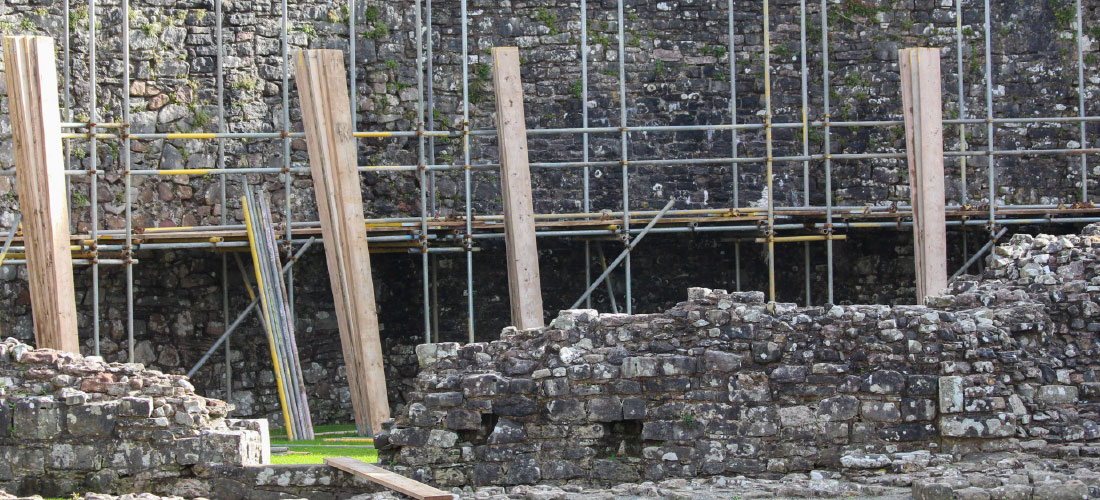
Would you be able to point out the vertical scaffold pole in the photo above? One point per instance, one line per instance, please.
(624, 139)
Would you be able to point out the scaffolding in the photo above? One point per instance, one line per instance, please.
(429, 233)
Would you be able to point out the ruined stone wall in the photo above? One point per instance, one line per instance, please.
(677, 73)
(726, 384)
(74, 424)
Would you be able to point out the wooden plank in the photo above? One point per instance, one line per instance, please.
(524, 284)
(921, 97)
(322, 90)
(391, 480)
(31, 73)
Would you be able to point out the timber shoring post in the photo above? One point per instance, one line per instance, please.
(31, 74)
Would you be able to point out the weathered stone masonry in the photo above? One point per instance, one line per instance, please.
(70, 424)
(726, 384)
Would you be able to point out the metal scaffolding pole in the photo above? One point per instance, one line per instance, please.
(466, 171)
(1081, 101)
(624, 145)
(770, 232)
(805, 138)
(989, 131)
(827, 147)
(224, 216)
(733, 106)
(127, 254)
(422, 170)
(584, 152)
(94, 176)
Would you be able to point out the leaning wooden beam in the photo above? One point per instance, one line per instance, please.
(524, 284)
(322, 91)
(391, 480)
(31, 74)
(921, 105)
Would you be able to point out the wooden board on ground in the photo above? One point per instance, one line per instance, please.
(921, 106)
(391, 480)
(31, 72)
(322, 89)
(524, 283)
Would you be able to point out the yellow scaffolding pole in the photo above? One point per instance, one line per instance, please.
(267, 323)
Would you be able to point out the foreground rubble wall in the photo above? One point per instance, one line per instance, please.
(73, 424)
(727, 384)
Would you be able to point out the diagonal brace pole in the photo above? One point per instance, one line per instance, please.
(11, 236)
(244, 314)
(622, 256)
(977, 255)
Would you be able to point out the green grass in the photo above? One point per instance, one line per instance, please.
(278, 436)
(317, 454)
(319, 450)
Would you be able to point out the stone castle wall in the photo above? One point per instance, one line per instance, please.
(726, 384)
(73, 424)
(677, 73)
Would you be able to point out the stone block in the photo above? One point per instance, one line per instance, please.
(636, 367)
(463, 420)
(36, 418)
(951, 394)
(507, 431)
(1056, 394)
(1002, 425)
(514, 406)
(1057, 490)
(561, 470)
(677, 365)
(408, 436)
(230, 447)
(865, 461)
(884, 382)
(605, 409)
(837, 408)
(928, 489)
(765, 352)
(921, 385)
(917, 410)
(486, 474)
(615, 471)
(749, 387)
(796, 416)
(5, 419)
(136, 407)
(634, 408)
(430, 354)
(718, 361)
(789, 374)
(553, 387)
(565, 410)
(441, 438)
(880, 411)
(92, 420)
(443, 399)
(479, 385)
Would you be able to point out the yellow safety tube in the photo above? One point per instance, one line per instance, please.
(267, 323)
(191, 135)
(789, 239)
(185, 171)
